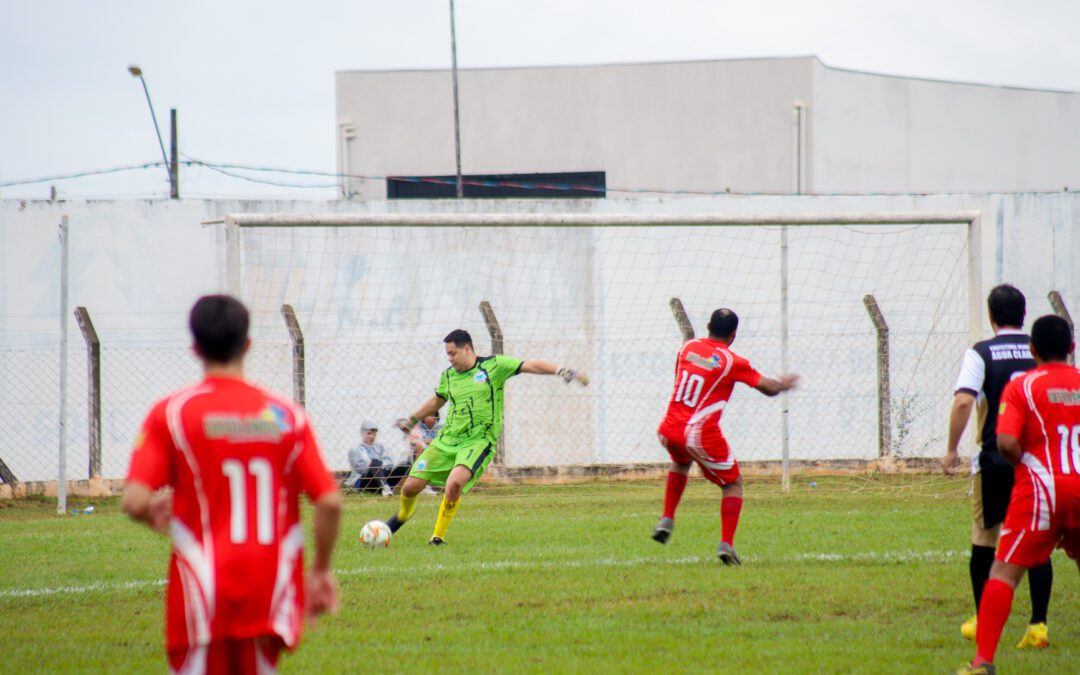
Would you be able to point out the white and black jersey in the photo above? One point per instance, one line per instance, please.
(988, 367)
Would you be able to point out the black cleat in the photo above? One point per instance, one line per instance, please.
(727, 554)
(436, 541)
(663, 530)
(394, 523)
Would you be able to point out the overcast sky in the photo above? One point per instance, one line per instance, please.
(254, 81)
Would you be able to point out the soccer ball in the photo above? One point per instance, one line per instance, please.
(375, 534)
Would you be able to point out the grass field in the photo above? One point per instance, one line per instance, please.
(853, 575)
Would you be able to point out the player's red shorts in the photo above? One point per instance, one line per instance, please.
(256, 656)
(715, 460)
(1021, 543)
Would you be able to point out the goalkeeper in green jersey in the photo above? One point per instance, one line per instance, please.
(458, 456)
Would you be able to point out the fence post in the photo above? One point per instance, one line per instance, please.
(496, 334)
(884, 395)
(61, 473)
(93, 381)
(6, 475)
(1061, 310)
(685, 327)
(297, 337)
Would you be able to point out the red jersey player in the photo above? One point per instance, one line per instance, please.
(705, 375)
(1038, 430)
(236, 459)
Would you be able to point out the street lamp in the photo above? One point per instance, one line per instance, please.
(170, 167)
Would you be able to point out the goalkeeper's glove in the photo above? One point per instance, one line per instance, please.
(569, 375)
(406, 425)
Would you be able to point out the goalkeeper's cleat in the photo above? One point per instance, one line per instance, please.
(967, 629)
(727, 554)
(663, 529)
(1037, 636)
(984, 668)
(395, 523)
(436, 541)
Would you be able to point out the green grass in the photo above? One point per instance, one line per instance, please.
(853, 575)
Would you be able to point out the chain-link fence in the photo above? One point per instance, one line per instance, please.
(371, 306)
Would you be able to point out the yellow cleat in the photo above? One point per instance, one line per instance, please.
(981, 669)
(967, 629)
(1036, 637)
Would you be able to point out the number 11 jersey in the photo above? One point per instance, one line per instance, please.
(237, 459)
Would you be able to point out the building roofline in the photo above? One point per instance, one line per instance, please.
(634, 64)
(935, 80)
(565, 66)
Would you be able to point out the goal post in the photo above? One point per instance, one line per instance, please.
(379, 291)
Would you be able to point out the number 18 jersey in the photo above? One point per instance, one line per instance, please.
(705, 375)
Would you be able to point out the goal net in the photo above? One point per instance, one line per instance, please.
(374, 296)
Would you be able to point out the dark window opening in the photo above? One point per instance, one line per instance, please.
(564, 185)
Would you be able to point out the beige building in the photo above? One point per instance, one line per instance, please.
(748, 125)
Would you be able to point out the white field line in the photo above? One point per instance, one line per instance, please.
(871, 556)
(100, 587)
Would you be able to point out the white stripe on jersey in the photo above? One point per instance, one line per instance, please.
(192, 569)
(194, 662)
(702, 458)
(1042, 478)
(200, 561)
(1019, 538)
(262, 666)
(705, 412)
(283, 601)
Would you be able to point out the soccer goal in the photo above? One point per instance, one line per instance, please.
(872, 309)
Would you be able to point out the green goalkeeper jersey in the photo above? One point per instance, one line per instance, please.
(476, 400)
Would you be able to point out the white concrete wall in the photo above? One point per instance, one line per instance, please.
(375, 308)
(713, 126)
(871, 133)
(693, 126)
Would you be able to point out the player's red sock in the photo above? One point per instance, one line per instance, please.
(676, 483)
(994, 611)
(730, 508)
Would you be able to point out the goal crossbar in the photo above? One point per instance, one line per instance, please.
(592, 219)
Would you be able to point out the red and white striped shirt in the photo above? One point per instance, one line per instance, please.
(1042, 410)
(705, 375)
(237, 458)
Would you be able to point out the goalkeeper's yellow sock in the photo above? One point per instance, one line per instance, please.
(447, 511)
(408, 507)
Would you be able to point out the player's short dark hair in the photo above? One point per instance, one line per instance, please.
(1051, 337)
(723, 323)
(219, 324)
(1007, 305)
(459, 337)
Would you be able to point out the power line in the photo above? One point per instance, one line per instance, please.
(81, 174)
(229, 169)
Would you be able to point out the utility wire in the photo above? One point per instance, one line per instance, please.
(81, 174)
(230, 170)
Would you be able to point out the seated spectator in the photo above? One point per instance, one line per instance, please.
(373, 468)
(423, 433)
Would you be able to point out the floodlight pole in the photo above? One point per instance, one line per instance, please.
(457, 115)
(170, 168)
